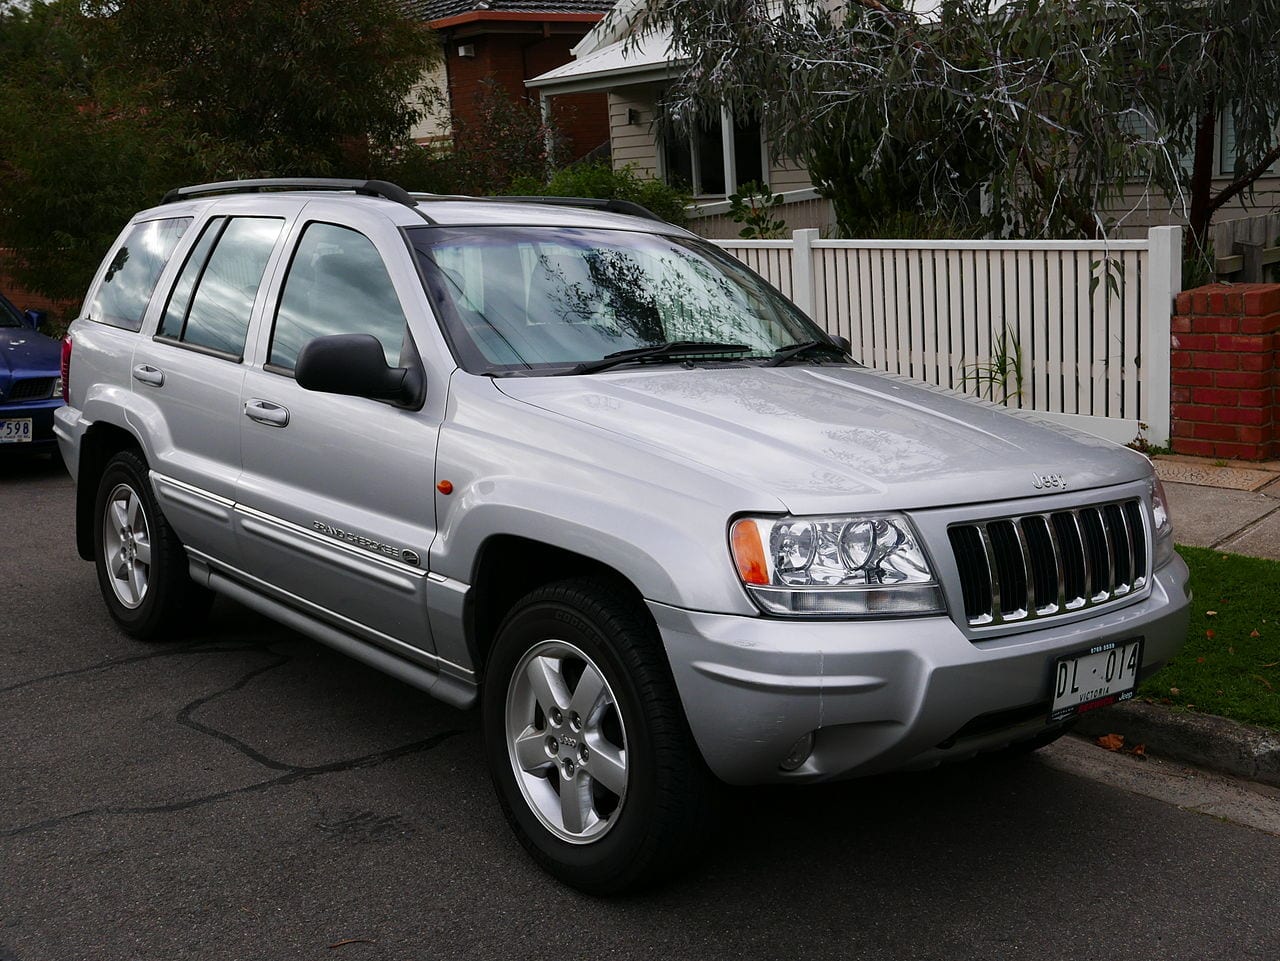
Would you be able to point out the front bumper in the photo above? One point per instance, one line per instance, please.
(884, 695)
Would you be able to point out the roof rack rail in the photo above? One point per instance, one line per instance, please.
(613, 206)
(369, 188)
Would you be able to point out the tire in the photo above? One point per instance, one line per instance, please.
(141, 564)
(643, 793)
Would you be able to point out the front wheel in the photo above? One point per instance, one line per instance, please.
(587, 742)
(141, 564)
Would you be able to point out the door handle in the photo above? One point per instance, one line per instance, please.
(146, 374)
(265, 412)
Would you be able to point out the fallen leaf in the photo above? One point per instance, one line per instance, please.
(1166, 700)
(1254, 633)
(1174, 691)
(1139, 750)
(1210, 613)
(1272, 664)
(1199, 660)
(1209, 633)
(1265, 682)
(1231, 650)
(1111, 742)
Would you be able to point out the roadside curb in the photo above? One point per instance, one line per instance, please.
(1204, 740)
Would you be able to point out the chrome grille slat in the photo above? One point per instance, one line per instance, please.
(993, 575)
(1107, 536)
(1059, 563)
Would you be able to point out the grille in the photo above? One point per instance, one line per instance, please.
(30, 388)
(1039, 565)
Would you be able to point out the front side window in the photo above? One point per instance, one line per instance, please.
(212, 300)
(337, 284)
(543, 299)
(122, 297)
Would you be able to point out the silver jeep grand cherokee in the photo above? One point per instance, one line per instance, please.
(582, 468)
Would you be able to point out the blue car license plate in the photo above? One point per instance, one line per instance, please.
(15, 430)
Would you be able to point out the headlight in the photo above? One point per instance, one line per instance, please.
(870, 564)
(1162, 526)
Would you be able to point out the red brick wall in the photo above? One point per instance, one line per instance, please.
(1226, 387)
(512, 58)
(24, 299)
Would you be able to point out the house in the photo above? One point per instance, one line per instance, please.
(728, 152)
(507, 42)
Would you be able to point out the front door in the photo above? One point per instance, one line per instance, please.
(335, 510)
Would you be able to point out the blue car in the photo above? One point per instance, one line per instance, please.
(30, 381)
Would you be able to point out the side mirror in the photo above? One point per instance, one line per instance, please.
(35, 318)
(842, 342)
(354, 364)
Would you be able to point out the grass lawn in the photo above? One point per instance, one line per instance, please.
(1230, 665)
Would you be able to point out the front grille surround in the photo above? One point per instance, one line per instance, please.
(1033, 565)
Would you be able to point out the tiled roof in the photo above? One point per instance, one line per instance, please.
(431, 10)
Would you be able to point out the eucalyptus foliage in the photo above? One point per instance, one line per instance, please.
(1033, 117)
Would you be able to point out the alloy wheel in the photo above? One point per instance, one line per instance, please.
(566, 741)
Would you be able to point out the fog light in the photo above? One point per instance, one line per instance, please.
(799, 753)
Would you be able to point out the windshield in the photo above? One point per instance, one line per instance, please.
(546, 299)
(10, 316)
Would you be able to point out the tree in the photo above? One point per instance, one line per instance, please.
(104, 105)
(1031, 116)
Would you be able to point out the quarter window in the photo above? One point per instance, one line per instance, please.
(122, 297)
(212, 301)
(337, 284)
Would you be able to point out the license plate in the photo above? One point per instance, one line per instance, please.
(1102, 675)
(16, 430)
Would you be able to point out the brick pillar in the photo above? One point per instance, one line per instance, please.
(1225, 384)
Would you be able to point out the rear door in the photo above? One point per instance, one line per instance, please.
(188, 368)
(336, 500)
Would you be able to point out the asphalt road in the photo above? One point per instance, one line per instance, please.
(246, 794)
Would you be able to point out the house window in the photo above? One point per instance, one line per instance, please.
(721, 156)
(1227, 148)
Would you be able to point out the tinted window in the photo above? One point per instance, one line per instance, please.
(337, 284)
(213, 298)
(126, 288)
(175, 313)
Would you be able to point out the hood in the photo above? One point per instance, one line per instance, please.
(835, 438)
(28, 352)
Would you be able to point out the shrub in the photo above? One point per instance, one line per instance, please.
(598, 179)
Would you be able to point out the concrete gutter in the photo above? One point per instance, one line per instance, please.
(1202, 740)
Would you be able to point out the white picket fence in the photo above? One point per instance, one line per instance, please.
(1088, 322)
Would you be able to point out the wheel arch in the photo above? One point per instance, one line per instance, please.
(100, 443)
(508, 567)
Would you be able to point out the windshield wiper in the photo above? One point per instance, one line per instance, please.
(673, 349)
(784, 354)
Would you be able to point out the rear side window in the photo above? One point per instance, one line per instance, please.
(122, 297)
(337, 284)
(213, 297)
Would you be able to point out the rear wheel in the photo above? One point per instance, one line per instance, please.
(587, 741)
(141, 564)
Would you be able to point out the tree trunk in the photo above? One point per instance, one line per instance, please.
(1202, 179)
